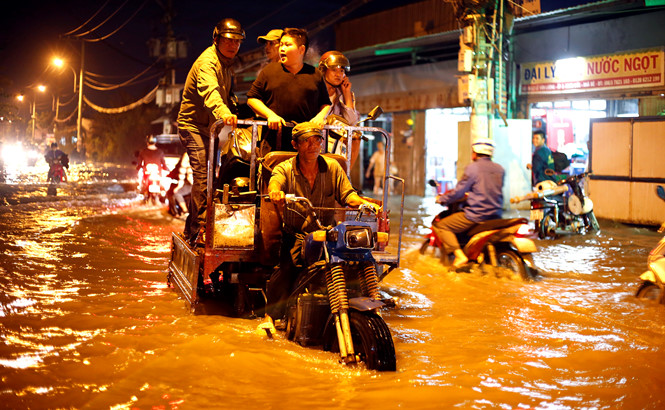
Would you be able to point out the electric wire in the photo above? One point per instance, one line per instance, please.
(98, 85)
(103, 21)
(152, 77)
(146, 99)
(87, 21)
(120, 27)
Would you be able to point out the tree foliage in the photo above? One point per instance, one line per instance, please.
(116, 137)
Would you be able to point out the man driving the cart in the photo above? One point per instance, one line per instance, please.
(320, 179)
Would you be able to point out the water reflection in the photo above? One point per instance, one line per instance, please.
(88, 322)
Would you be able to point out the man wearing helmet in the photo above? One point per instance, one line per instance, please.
(482, 184)
(289, 90)
(320, 179)
(206, 98)
(151, 155)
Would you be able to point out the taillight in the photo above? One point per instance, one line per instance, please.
(523, 231)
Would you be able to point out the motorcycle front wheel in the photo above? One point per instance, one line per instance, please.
(651, 291)
(372, 341)
(547, 227)
(591, 222)
(509, 259)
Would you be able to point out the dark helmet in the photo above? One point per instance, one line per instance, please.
(229, 28)
(305, 130)
(151, 139)
(334, 59)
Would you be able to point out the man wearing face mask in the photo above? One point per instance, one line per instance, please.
(289, 90)
(206, 98)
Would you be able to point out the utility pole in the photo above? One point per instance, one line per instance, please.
(79, 142)
(480, 44)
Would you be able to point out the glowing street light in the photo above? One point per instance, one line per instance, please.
(59, 62)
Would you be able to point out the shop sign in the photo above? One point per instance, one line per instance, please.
(606, 72)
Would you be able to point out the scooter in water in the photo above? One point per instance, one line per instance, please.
(561, 207)
(336, 300)
(497, 242)
(151, 185)
(57, 173)
(653, 279)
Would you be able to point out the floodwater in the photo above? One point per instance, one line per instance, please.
(87, 321)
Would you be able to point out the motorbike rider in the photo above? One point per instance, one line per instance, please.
(206, 98)
(541, 160)
(483, 182)
(334, 67)
(289, 90)
(151, 155)
(53, 156)
(323, 181)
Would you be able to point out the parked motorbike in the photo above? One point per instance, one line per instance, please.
(336, 300)
(497, 242)
(561, 206)
(653, 279)
(152, 186)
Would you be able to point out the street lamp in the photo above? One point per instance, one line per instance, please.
(59, 62)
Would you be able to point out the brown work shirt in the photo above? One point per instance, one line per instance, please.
(331, 188)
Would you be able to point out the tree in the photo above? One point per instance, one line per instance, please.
(116, 137)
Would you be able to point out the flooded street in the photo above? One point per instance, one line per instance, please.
(87, 321)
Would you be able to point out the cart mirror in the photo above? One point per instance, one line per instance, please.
(375, 113)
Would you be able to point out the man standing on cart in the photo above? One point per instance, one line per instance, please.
(289, 90)
(206, 98)
(321, 180)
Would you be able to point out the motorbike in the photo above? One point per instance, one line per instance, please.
(151, 185)
(653, 279)
(431, 240)
(498, 242)
(57, 171)
(335, 304)
(336, 300)
(561, 206)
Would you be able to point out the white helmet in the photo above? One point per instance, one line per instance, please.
(483, 146)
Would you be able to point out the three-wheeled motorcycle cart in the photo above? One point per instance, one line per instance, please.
(231, 270)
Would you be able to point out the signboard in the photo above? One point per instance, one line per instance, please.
(638, 69)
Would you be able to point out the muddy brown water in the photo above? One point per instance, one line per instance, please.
(87, 321)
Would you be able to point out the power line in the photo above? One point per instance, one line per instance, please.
(103, 22)
(120, 27)
(87, 21)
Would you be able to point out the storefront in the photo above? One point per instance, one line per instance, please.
(562, 96)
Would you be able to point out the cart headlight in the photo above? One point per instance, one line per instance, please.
(359, 238)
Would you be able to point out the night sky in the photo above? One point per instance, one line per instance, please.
(35, 31)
